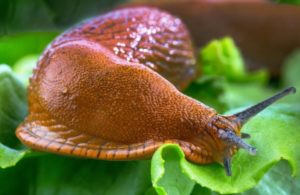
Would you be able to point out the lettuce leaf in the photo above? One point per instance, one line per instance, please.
(276, 134)
(13, 109)
(223, 58)
(24, 67)
(63, 175)
(13, 105)
(60, 175)
(9, 157)
(277, 181)
(167, 175)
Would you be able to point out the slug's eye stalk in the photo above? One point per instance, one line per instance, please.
(244, 116)
(241, 118)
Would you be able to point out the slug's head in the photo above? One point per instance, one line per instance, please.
(227, 129)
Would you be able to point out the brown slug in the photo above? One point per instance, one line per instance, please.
(108, 89)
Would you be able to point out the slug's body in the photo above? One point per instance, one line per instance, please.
(104, 90)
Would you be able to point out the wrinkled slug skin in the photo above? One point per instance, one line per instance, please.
(88, 88)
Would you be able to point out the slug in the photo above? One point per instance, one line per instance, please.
(110, 89)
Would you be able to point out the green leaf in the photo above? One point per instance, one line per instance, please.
(24, 67)
(13, 105)
(12, 48)
(238, 95)
(18, 179)
(209, 89)
(276, 134)
(9, 157)
(167, 175)
(277, 181)
(223, 58)
(60, 175)
(13, 109)
(223, 95)
(83, 176)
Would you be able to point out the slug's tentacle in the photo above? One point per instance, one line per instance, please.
(228, 127)
(244, 116)
(231, 138)
(227, 165)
